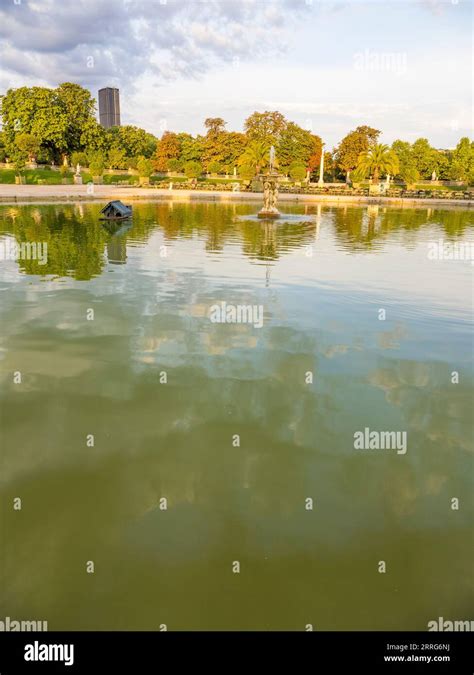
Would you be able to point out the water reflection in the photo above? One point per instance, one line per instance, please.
(79, 245)
(173, 439)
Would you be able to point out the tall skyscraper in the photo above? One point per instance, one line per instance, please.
(109, 107)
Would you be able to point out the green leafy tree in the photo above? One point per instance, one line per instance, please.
(62, 119)
(79, 158)
(193, 169)
(426, 158)
(175, 165)
(376, 161)
(214, 141)
(36, 111)
(297, 145)
(144, 167)
(28, 145)
(443, 161)
(256, 155)
(297, 171)
(214, 125)
(95, 138)
(462, 160)
(266, 127)
(78, 107)
(330, 167)
(407, 170)
(246, 171)
(190, 149)
(232, 146)
(3, 150)
(116, 159)
(409, 174)
(19, 159)
(349, 149)
(97, 165)
(214, 167)
(134, 141)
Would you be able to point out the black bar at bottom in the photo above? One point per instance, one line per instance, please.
(150, 652)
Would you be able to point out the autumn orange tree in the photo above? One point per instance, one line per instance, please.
(349, 149)
(168, 148)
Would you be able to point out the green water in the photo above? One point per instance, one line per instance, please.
(322, 284)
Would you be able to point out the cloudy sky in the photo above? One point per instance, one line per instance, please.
(403, 66)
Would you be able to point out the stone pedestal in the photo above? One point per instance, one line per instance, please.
(269, 213)
(77, 179)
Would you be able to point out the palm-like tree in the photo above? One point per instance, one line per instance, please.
(377, 160)
(256, 155)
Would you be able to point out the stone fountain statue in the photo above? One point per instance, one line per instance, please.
(270, 190)
(77, 175)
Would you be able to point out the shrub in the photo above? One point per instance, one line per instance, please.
(175, 165)
(78, 158)
(144, 167)
(96, 167)
(246, 172)
(27, 144)
(19, 160)
(116, 159)
(214, 167)
(409, 175)
(297, 171)
(193, 169)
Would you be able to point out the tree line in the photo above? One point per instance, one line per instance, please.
(59, 126)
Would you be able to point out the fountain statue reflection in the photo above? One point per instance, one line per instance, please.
(270, 189)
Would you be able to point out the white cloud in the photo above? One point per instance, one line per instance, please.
(132, 37)
(180, 62)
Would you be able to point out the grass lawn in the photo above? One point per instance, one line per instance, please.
(51, 177)
(32, 175)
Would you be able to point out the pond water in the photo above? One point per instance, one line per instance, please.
(165, 447)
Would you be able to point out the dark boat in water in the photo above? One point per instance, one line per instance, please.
(116, 210)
